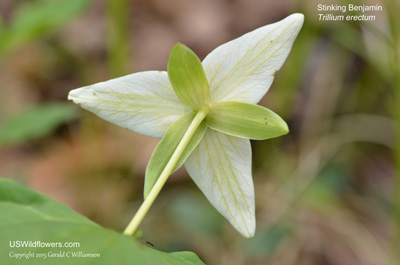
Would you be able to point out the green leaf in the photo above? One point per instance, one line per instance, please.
(189, 257)
(245, 120)
(187, 77)
(167, 146)
(37, 18)
(28, 216)
(36, 122)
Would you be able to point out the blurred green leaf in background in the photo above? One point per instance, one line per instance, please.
(34, 19)
(36, 122)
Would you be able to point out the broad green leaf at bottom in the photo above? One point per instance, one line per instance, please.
(27, 216)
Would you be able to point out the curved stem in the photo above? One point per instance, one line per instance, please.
(144, 208)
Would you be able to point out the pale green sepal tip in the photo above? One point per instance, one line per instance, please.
(187, 77)
(167, 146)
(245, 120)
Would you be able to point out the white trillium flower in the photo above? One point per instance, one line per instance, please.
(224, 89)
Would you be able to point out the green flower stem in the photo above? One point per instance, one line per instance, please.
(144, 208)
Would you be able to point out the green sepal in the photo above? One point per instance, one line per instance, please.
(187, 77)
(167, 146)
(245, 120)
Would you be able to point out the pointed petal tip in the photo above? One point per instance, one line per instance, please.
(242, 78)
(74, 94)
(250, 228)
(249, 234)
(298, 17)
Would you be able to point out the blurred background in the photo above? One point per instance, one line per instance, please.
(326, 194)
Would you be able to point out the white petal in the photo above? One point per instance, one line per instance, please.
(221, 168)
(143, 102)
(243, 69)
